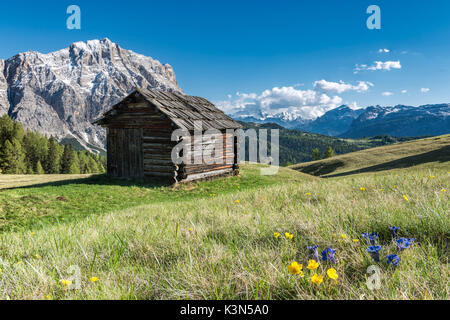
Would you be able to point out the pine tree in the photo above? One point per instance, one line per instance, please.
(39, 169)
(13, 158)
(328, 153)
(315, 154)
(53, 158)
(75, 166)
(68, 160)
(83, 158)
(18, 132)
(30, 169)
(6, 129)
(101, 168)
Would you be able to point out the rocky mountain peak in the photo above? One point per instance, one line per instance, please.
(60, 93)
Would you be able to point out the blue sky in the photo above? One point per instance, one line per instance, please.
(219, 48)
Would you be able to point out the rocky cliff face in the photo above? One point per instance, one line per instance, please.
(61, 93)
(4, 105)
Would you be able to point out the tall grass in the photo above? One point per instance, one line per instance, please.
(214, 247)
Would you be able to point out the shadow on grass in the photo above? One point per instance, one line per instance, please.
(439, 155)
(321, 168)
(102, 179)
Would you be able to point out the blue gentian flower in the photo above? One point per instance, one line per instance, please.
(404, 243)
(375, 252)
(393, 259)
(394, 231)
(313, 251)
(371, 238)
(328, 254)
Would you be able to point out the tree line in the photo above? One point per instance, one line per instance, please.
(27, 152)
(327, 154)
(297, 146)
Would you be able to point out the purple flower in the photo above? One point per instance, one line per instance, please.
(394, 231)
(393, 259)
(313, 251)
(328, 254)
(404, 243)
(375, 252)
(371, 238)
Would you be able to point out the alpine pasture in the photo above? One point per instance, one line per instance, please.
(230, 238)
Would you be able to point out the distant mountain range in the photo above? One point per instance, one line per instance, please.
(398, 121)
(296, 146)
(401, 121)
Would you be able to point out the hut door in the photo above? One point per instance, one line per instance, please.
(128, 153)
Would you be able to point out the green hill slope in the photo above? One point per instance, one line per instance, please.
(297, 146)
(215, 239)
(401, 155)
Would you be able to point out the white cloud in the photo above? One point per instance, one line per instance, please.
(387, 93)
(307, 104)
(404, 91)
(341, 86)
(379, 65)
(424, 90)
(354, 105)
(384, 51)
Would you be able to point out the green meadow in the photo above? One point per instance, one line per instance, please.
(90, 237)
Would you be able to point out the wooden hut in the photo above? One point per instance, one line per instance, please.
(139, 137)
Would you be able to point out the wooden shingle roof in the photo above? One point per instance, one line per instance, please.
(184, 111)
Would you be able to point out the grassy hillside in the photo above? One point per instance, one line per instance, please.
(215, 240)
(402, 155)
(297, 146)
(37, 200)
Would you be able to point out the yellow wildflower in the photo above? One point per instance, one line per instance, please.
(406, 198)
(276, 234)
(317, 279)
(432, 177)
(94, 279)
(312, 265)
(443, 190)
(332, 274)
(295, 268)
(381, 189)
(288, 235)
(395, 186)
(355, 240)
(65, 282)
(362, 189)
(38, 256)
(344, 236)
(237, 201)
(48, 297)
(308, 194)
